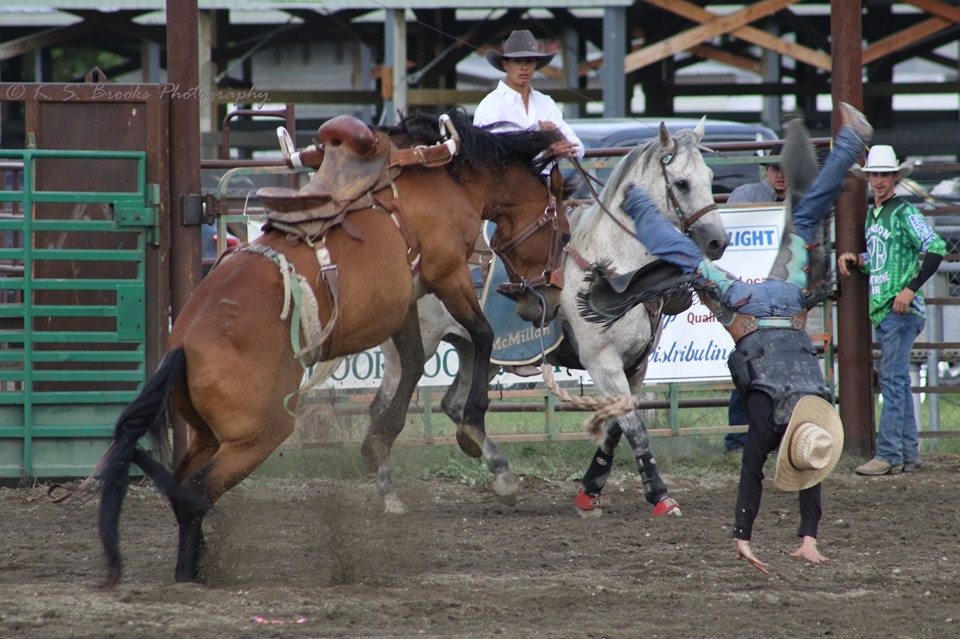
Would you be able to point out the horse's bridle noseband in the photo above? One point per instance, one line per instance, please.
(685, 221)
(553, 273)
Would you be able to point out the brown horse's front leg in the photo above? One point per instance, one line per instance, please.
(461, 302)
(471, 432)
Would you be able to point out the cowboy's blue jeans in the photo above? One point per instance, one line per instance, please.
(777, 298)
(897, 438)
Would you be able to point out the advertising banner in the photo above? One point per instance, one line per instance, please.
(693, 346)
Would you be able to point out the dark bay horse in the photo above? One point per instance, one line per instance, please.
(237, 350)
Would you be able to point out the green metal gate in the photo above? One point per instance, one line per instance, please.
(72, 309)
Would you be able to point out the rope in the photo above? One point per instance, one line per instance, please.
(604, 407)
(284, 266)
(310, 318)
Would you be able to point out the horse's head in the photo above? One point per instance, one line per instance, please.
(502, 171)
(533, 228)
(688, 189)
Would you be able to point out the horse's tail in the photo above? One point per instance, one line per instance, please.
(145, 414)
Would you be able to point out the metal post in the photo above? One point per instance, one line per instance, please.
(207, 37)
(150, 56)
(674, 389)
(614, 67)
(771, 114)
(365, 79)
(853, 327)
(428, 414)
(395, 47)
(935, 287)
(916, 398)
(183, 72)
(571, 70)
(550, 422)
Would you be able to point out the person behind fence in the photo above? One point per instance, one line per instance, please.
(774, 364)
(773, 188)
(516, 102)
(897, 234)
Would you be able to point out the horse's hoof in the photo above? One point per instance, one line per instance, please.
(393, 506)
(589, 506)
(467, 442)
(668, 506)
(505, 487)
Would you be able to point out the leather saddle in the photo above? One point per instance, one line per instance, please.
(355, 165)
(609, 296)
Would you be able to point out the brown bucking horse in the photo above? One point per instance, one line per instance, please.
(391, 214)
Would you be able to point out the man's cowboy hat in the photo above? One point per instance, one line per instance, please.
(520, 44)
(882, 159)
(811, 446)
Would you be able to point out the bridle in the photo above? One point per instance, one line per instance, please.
(552, 274)
(686, 221)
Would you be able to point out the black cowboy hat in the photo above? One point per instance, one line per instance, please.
(520, 44)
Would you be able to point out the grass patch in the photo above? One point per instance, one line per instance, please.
(549, 461)
(692, 455)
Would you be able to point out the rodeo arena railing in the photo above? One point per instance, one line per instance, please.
(675, 400)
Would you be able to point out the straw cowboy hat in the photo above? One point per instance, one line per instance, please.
(882, 159)
(520, 44)
(811, 446)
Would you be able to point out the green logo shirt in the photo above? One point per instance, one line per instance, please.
(897, 233)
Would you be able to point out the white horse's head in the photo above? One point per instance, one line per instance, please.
(673, 172)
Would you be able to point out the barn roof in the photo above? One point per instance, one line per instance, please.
(51, 6)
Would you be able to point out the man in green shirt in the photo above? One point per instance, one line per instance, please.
(897, 234)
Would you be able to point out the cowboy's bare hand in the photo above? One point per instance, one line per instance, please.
(808, 551)
(901, 303)
(744, 552)
(546, 125)
(846, 261)
(563, 149)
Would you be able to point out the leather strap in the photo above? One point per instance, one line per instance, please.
(402, 221)
(431, 157)
(743, 324)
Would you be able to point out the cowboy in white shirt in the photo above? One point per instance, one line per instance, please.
(515, 101)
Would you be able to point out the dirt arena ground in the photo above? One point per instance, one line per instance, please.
(319, 559)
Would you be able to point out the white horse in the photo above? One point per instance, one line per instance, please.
(672, 170)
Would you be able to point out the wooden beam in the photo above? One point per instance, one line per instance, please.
(903, 39)
(698, 35)
(709, 52)
(752, 35)
(42, 40)
(938, 9)
(470, 96)
(475, 39)
(121, 22)
(586, 67)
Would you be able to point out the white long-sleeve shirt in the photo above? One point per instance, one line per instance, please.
(503, 104)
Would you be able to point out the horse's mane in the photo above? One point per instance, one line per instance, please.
(485, 151)
(644, 154)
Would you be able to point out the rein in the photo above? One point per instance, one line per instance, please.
(603, 207)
